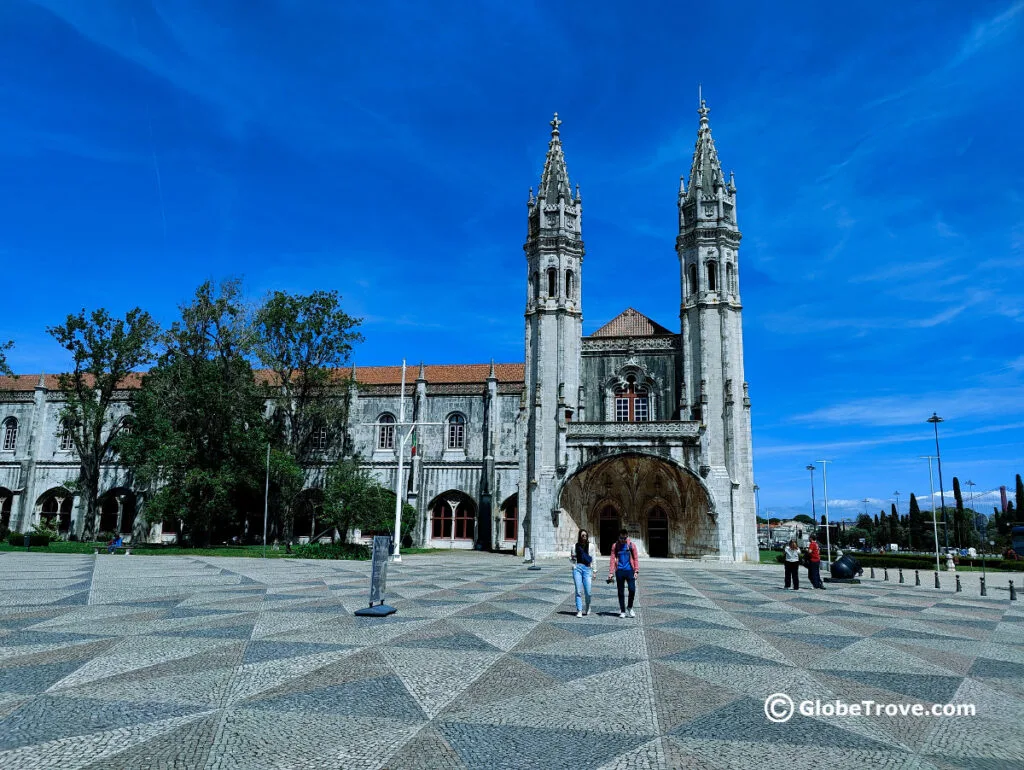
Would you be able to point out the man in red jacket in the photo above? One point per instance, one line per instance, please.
(814, 564)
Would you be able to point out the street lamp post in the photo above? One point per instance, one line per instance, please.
(935, 420)
(935, 523)
(814, 515)
(266, 502)
(974, 513)
(828, 528)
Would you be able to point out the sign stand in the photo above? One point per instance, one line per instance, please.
(378, 579)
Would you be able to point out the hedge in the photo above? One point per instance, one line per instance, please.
(921, 561)
(331, 551)
(36, 541)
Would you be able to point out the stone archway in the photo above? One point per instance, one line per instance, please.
(665, 508)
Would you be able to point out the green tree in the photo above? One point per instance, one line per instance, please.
(915, 534)
(305, 340)
(959, 515)
(198, 436)
(354, 500)
(6, 370)
(1020, 494)
(803, 518)
(105, 351)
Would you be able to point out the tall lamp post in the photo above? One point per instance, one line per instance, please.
(974, 513)
(814, 515)
(935, 420)
(935, 523)
(266, 502)
(828, 528)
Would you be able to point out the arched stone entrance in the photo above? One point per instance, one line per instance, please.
(452, 520)
(665, 507)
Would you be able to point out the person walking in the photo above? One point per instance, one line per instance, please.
(814, 563)
(624, 567)
(582, 573)
(792, 561)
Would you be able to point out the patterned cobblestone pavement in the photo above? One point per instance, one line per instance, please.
(177, 662)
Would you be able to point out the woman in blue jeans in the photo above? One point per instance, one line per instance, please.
(582, 573)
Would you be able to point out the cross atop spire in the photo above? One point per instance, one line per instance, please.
(555, 123)
(706, 171)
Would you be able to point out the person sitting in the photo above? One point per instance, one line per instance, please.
(114, 544)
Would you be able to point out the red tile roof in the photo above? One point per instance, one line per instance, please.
(630, 323)
(366, 375)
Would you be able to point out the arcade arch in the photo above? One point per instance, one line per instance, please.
(665, 507)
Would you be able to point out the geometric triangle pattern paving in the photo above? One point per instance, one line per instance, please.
(189, 662)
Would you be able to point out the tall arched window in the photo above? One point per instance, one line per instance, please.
(712, 276)
(456, 432)
(10, 434)
(64, 437)
(568, 284)
(552, 282)
(693, 279)
(386, 432)
(632, 402)
(535, 285)
(319, 439)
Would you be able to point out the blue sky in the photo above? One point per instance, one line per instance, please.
(385, 150)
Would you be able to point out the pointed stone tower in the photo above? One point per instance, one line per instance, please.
(712, 340)
(554, 327)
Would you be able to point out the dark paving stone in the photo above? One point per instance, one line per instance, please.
(566, 668)
(925, 687)
(380, 697)
(217, 632)
(998, 669)
(49, 717)
(449, 642)
(827, 641)
(529, 748)
(260, 651)
(745, 720)
(711, 654)
(35, 678)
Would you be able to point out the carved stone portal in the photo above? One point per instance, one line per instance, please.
(664, 507)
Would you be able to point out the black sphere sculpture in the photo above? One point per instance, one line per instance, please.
(846, 568)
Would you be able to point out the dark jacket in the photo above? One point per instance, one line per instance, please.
(583, 555)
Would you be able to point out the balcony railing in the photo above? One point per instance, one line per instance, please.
(668, 430)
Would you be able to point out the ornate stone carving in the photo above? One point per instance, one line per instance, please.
(633, 430)
(667, 344)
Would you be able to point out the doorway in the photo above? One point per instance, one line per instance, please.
(657, 533)
(609, 529)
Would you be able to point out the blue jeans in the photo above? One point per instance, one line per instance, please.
(621, 578)
(583, 577)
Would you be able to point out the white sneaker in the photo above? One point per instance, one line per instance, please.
(579, 614)
(622, 614)
(630, 613)
(586, 612)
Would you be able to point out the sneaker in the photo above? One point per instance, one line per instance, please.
(630, 613)
(586, 612)
(579, 614)
(622, 614)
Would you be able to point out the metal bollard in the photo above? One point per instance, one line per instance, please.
(901, 574)
(872, 572)
(983, 591)
(937, 580)
(958, 588)
(917, 577)
(28, 542)
(1013, 592)
(886, 571)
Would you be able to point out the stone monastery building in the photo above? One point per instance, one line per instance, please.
(634, 426)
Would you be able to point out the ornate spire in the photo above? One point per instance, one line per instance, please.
(423, 373)
(491, 375)
(554, 182)
(706, 171)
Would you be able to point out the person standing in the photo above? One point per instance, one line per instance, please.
(814, 563)
(624, 567)
(582, 573)
(792, 561)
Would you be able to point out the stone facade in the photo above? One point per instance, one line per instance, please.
(634, 426)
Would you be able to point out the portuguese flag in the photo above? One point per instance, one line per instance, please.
(413, 442)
